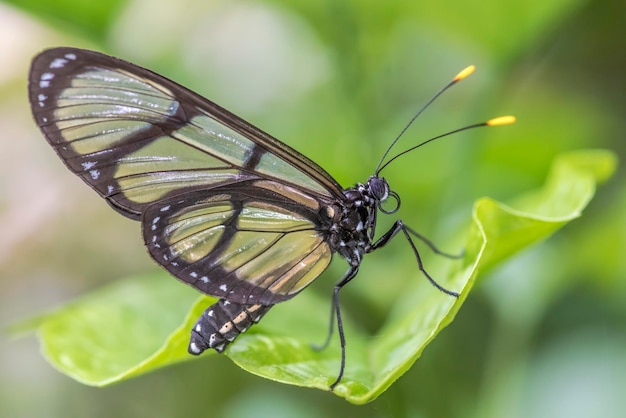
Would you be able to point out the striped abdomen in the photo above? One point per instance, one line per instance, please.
(221, 323)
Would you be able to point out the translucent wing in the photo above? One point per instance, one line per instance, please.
(225, 207)
(256, 242)
(139, 138)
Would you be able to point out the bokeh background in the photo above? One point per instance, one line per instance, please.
(542, 336)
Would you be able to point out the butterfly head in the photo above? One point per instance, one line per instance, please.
(380, 191)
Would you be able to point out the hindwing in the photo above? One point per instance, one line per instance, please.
(244, 243)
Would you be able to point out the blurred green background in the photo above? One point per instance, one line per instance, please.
(542, 336)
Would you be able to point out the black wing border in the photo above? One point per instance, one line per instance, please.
(85, 58)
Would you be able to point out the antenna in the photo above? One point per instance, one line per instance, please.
(460, 76)
(499, 121)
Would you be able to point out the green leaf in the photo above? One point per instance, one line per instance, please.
(133, 326)
(141, 324)
(533, 217)
(373, 364)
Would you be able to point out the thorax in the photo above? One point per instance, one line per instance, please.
(352, 222)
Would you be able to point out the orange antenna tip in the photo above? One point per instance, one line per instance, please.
(464, 73)
(502, 120)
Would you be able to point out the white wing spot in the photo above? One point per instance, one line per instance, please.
(165, 208)
(94, 174)
(44, 80)
(165, 257)
(42, 98)
(88, 165)
(193, 274)
(226, 303)
(44, 120)
(223, 288)
(153, 227)
(110, 189)
(174, 263)
(154, 238)
(198, 328)
(58, 63)
(210, 313)
(70, 56)
(194, 348)
(204, 279)
(157, 219)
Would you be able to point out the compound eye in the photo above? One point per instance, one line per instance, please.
(379, 188)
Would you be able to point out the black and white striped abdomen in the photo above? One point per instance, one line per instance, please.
(221, 323)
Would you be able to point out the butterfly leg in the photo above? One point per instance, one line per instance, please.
(431, 245)
(399, 226)
(336, 312)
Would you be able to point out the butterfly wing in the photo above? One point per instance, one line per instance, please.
(253, 242)
(217, 197)
(137, 137)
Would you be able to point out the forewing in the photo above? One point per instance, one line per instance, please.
(256, 243)
(138, 138)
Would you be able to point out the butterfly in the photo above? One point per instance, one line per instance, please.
(224, 206)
